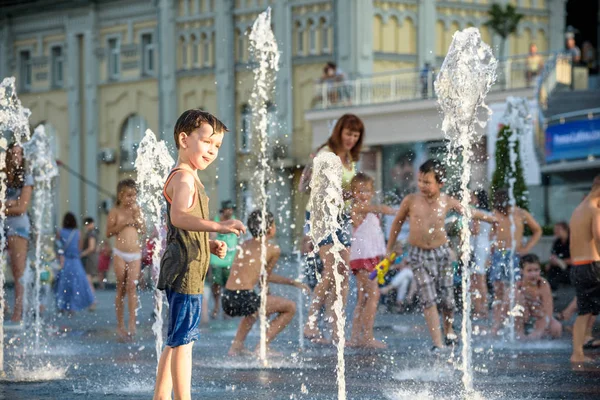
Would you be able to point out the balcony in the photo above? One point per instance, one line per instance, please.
(409, 85)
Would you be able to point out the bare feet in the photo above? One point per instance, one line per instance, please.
(353, 343)
(121, 334)
(238, 351)
(374, 344)
(312, 333)
(580, 359)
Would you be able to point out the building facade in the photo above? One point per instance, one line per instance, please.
(99, 73)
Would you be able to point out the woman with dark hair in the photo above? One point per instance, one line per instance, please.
(480, 242)
(18, 195)
(558, 269)
(73, 290)
(346, 142)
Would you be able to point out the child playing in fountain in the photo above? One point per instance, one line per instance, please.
(585, 273)
(504, 239)
(126, 224)
(184, 264)
(239, 298)
(429, 253)
(368, 248)
(535, 298)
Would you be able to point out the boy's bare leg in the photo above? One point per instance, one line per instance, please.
(579, 330)
(237, 346)
(181, 371)
(369, 312)
(133, 273)
(589, 328)
(216, 292)
(164, 382)
(479, 295)
(432, 317)
(311, 329)
(120, 276)
(498, 306)
(285, 309)
(448, 319)
(358, 322)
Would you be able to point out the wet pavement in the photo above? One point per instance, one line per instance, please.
(79, 357)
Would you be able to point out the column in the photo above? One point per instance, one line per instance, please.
(6, 50)
(167, 79)
(556, 25)
(225, 75)
(283, 96)
(74, 110)
(91, 114)
(426, 33)
(354, 36)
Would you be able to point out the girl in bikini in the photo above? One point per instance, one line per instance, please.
(125, 222)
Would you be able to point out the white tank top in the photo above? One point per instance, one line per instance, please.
(367, 239)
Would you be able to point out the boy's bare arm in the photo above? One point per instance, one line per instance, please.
(379, 209)
(401, 216)
(596, 227)
(282, 280)
(536, 229)
(183, 189)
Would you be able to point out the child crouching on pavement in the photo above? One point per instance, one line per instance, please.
(535, 300)
(239, 297)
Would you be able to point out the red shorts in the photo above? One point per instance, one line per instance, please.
(367, 264)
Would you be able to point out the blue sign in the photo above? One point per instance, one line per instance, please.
(573, 140)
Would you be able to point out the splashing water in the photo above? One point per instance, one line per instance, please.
(14, 119)
(468, 72)
(518, 118)
(42, 167)
(263, 46)
(326, 202)
(153, 163)
(300, 300)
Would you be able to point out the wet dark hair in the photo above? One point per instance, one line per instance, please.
(69, 221)
(501, 200)
(17, 172)
(563, 225)
(483, 201)
(193, 119)
(255, 220)
(88, 220)
(436, 167)
(125, 184)
(347, 121)
(529, 259)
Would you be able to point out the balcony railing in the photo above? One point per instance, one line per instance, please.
(409, 85)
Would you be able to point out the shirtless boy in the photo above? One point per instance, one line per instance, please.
(429, 253)
(239, 298)
(502, 248)
(585, 273)
(125, 222)
(535, 298)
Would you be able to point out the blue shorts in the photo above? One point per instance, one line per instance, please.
(184, 318)
(500, 269)
(343, 234)
(18, 226)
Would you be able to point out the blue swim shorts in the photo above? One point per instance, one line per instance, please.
(185, 311)
(500, 269)
(343, 234)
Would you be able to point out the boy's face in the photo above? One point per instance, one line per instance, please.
(531, 271)
(128, 197)
(201, 146)
(362, 191)
(272, 231)
(428, 185)
(227, 213)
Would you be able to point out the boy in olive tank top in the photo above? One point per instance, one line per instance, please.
(198, 136)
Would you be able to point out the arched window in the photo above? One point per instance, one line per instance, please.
(312, 37)
(246, 131)
(195, 58)
(132, 133)
(300, 39)
(205, 50)
(325, 48)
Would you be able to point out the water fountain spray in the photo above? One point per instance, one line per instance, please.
(153, 163)
(43, 168)
(263, 47)
(14, 119)
(468, 72)
(518, 118)
(326, 205)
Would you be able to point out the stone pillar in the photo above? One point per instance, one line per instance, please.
(91, 114)
(225, 75)
(426, 33)
(167, 68)
(556, 28)
(72, 76)
(282, 19)
(6, 48)
(354, 36)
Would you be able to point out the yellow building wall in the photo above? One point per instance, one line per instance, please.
(377, 33)
(407, 37)
(387, 66)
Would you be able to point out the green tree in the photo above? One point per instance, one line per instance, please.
(504, 172)
(504, 22)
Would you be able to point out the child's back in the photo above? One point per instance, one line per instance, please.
(245, 271)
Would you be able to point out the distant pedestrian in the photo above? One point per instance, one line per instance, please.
(89, 255)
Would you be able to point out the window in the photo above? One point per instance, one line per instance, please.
(25, 70)
(241, 47)
(246, 142)
(205, 51)
(57, 66)
(300, 41)
(312, 39)
(195, 57)
(132, 133)
(325, 39)
(114, 58)
(184, 53)
(147, 54)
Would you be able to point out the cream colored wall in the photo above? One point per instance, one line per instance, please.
(52, 108)
(394, 36)
(386, 66)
